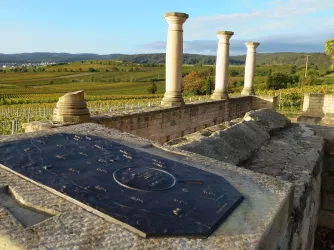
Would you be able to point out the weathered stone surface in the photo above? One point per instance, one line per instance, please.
(259, 222)
(233, 145)
(292, 153)
(295, 155)
(71, 108)
(326, 216)
(272, 120)
(40, 126)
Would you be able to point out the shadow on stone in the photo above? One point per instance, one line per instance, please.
(27, 216)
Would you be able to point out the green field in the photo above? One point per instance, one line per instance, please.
(111, 85)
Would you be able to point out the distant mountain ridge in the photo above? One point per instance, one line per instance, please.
(319, 59)
(53, 57)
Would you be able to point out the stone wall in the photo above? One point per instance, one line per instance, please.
(259, 102)
(326, 217)
(164, 124)
(266, 142)
(318, 108)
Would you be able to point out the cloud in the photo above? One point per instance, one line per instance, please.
(280, 26)
(284, 43)
(282, 16)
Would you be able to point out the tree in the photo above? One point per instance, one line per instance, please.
(208, 85)
(193, 83)
(277, 81)
(153, 88)
(92, 70)
(329, 50)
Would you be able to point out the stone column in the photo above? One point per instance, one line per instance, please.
(250, 68)
(222, 63)
(174, 59)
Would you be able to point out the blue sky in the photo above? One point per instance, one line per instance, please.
(134, 26)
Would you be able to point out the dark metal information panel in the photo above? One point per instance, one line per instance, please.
(151, 195)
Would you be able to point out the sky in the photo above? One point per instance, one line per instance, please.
(138, 26)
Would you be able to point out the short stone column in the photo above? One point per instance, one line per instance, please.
(71, 108)
(250, 68)
(222, 62)
(174, 59)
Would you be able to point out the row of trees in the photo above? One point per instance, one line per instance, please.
(23, 69)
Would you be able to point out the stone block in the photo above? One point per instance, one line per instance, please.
(270, 119)
(38, 126)
(232, 145)
(71, 108)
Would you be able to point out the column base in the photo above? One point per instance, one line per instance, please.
(172, 100)
(218, 95)
(248, 91)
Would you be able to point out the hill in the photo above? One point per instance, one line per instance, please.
(53, 57)
(319, 59)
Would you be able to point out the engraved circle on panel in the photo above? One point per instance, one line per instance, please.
(144, 178)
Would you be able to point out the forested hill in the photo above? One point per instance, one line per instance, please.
(53, 57)
(319, 59)
(160, 58)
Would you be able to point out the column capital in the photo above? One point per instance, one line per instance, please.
(224, 36)
(252, 44)
(176, 17)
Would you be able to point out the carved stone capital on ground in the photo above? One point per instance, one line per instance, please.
(71, 108)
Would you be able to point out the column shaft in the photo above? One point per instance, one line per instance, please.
(222, 63)
(174, 59)
(250, 68)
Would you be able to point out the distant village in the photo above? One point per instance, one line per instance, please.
(8, 65)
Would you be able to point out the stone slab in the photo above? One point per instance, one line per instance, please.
(260, 221)
(271, 120)
(234, 144)
(147, 194)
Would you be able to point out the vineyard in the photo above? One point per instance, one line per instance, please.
(115, 86)
(13, 116)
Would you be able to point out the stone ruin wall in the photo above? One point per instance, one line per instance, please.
(318, 108)
(326, 216)
(165, 124)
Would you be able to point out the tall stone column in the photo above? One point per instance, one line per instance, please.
(250, 68)
(222, 63)
(174, 59)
